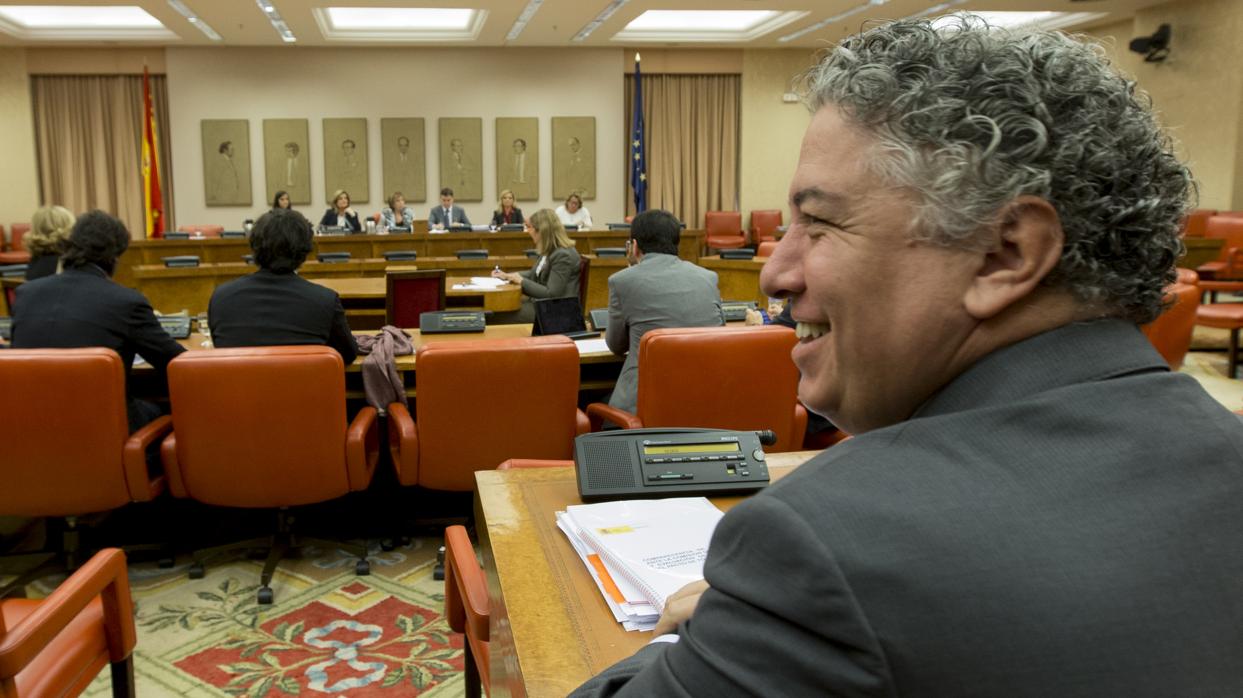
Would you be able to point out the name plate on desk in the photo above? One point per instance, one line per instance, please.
(333, 257)
(183, 260)
(445, 321)
(668, 463)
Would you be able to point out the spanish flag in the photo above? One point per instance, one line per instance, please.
(153, 200)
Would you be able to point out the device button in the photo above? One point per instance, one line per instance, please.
(676, 460)
(744, 473)
(714, 458)
(758, 454)
(688, 476)
(655, 460)
(694, 459)
(672, 476)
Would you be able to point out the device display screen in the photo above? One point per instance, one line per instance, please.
(722, 447)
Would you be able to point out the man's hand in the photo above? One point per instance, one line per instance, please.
(754, 317)
(679, 607)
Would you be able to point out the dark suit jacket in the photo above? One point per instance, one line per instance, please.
(1062, 519)
(498, 218)
(557, 278)
(437, 216)
(266, 309)
(330, 220)
(82, 307)
(41, 266)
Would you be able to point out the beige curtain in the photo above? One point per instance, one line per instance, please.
(88, 132)
(692, 143)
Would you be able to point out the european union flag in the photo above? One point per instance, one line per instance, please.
(638, 149)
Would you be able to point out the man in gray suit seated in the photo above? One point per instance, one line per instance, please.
(657, 290)
(1033, 504)
(447, 214)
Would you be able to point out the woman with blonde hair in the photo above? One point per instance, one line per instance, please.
(555, 274)
(49, 228)
(340, 214)
(506, 213)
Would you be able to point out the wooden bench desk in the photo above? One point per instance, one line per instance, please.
(550, 629)
(370, 292)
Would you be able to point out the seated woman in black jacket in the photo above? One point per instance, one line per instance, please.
(340, 215)
(274, 305)
(49, 228)
(506, 213)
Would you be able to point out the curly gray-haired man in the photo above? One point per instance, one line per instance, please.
(1033, 504)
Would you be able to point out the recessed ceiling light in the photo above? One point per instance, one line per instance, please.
(194, 19)
(399, 24)
(679, 20)
(277, 22)
(398, 18)
(81, 22)
(521, 23)
(704, 25)
(834, 19)
(608, 11)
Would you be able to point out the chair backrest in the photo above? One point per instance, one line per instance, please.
(723, 223)
(259, 427)
(63, 425)
(408, 294)
(766, 249)
(1229, 229)
(706, 377)
(1196, 222)
(764, 223)
(16, 234)
(1188, 276)
(461, 425)
(1171, 332)
(584, 275)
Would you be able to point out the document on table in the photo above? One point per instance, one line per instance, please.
(481, 283)
(591, 346)
(641, 551)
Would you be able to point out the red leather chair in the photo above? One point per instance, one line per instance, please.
(723, 230)
(467, 607)
(64, 457)
(1196, 222)
(764, 224)
(17, 253)
(205, 231)
(766, 249)
(56, 646)
(531, 387)
(1229, 262)
(706, 377)
(1225, 316)
(265, 427)
(1171, 332)
(408, 294)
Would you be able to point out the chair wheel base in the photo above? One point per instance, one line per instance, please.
(362, 568)
(265, 596)
(197, 571)
(165, 563)
(439, 572)
(388, 545)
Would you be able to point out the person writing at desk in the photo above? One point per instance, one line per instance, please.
(83, 307)
(447, 215)
(506, 213)
(275, 306)
(573, 213)
(340, 215)
(555, 274)
(1024, 465)
(398, 216)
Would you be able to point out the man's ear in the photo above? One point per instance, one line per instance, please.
(1030, 240)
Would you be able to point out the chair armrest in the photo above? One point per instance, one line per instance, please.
(582, 424)
(799, 427)
(403, 443)
(462, 561)
(172, 469)
(143, 488)
(362, 449)
(597, 412)
(1234, 262)
(104, 576)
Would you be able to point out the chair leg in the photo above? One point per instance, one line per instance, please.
(1234, 352)
(123, 678)
(471, 671)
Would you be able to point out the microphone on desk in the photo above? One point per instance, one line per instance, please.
(767, 437)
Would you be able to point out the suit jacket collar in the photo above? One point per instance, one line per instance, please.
(1076, 353)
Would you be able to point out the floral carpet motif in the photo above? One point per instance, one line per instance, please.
(329, 632)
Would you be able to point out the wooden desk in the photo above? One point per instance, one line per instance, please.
(372, 290)
(550, 628)
(738, 279)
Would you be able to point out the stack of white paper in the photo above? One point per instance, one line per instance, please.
(641, 551)
(481, 283)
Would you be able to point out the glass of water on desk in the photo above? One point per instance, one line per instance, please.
(204, 330)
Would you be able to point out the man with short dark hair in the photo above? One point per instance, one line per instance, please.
(657, 290)
(447, 215)
(1032, 503)
(83, 307)
(275, 306)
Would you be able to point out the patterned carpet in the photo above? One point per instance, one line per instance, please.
(329, 632)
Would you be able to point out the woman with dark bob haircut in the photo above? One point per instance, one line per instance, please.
(275, 306)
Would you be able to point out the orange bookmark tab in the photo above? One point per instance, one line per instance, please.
(609, 586)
